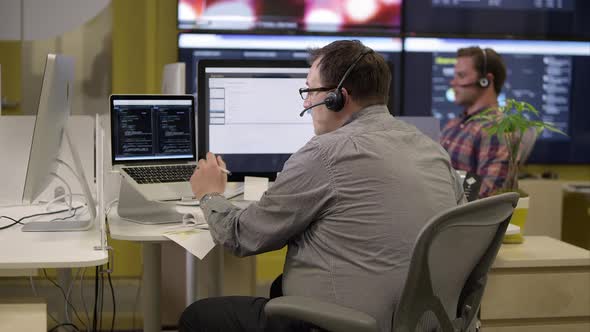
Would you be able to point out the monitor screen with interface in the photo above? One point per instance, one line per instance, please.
(372, 17)
(249, 113)
(48, 134)
(550, 75)
(194, 47)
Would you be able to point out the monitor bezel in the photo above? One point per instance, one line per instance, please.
(203, 116)
(51, 119)
(115, 97)
(366, 29)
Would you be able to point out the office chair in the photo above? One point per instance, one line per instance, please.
(446, 278)
(527, 143)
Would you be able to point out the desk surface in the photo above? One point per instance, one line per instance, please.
(121, 229)
(24, 250)
(541, 251)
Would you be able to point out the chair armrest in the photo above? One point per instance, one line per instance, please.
(328, 316)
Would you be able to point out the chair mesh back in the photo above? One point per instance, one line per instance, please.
(453, 254)
(451, 258)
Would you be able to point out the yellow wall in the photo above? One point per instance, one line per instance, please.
(144, 40)
(10, 59)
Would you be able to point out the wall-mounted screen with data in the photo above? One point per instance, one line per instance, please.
(550, 75)
(358, 16)
(521, 18)
(193, 47)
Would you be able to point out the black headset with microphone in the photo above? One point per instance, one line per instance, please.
(483, 81)
(335, 100)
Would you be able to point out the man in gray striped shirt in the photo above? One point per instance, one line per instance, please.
(349, 204)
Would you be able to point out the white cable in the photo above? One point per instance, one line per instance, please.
(68, 319)
(135, 304)
(37, 295)
(59, 198)
(109, 206)
(69, 191)
(33, 287)
(77, 178)
(82, 296)
(71, 169)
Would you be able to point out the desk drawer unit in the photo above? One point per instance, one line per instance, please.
(529, 291)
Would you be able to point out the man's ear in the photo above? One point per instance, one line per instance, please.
(345, 96)
(490, 78)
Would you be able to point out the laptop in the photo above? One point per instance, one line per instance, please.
(153, 143)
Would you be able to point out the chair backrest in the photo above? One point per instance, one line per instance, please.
(450, 261)
(526, 145)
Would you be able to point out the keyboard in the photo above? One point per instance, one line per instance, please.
(160, 174)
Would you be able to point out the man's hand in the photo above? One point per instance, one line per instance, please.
(208, 177)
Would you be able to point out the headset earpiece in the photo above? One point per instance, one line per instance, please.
(335, 100)
(483, 81)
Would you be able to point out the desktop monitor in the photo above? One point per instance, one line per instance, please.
(52, 116)
(249, 114)
(550, 75)
(194, 47)
(291, 15)
(48, 134)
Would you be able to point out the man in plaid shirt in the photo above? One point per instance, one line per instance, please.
(479, 76)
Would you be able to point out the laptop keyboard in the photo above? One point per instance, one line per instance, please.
(160, 174)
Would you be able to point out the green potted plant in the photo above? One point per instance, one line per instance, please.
(516, 124)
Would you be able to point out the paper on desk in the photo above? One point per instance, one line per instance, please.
(192, 235)
(254, 187)
(196, 241)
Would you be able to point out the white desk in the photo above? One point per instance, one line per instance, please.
(34, 250)
(24, 250)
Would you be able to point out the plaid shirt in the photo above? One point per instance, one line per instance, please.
(473, 150)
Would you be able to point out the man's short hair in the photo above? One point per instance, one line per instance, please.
(368, 82)
(493, 64)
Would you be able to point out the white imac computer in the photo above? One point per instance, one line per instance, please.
(48, 134)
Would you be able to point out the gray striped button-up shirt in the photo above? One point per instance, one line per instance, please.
(349, 205)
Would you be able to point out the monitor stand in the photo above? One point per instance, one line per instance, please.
(134, 207)
(69, 225)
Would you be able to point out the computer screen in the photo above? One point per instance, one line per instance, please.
(145, 128)
(48, 134)
(194, 47)
(249, 113)
(50, 123)
(291, 15)
(522, 18)
(550, 75)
